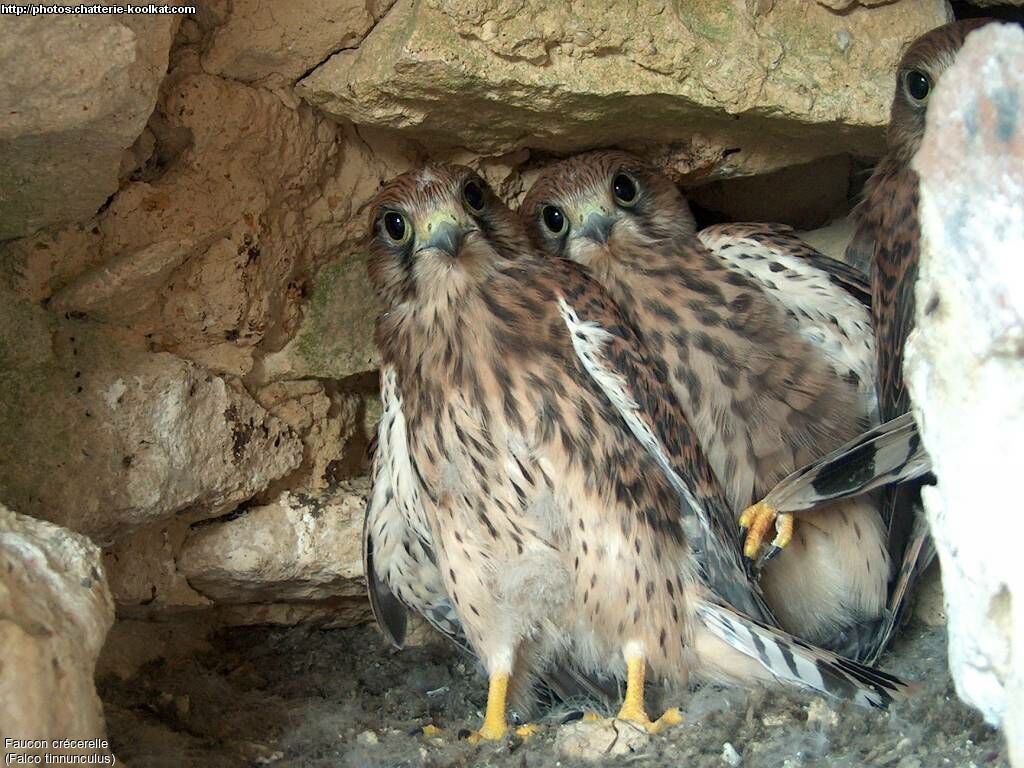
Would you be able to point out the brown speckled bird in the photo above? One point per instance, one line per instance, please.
(535, 485)
(886, 243)
(770, 360)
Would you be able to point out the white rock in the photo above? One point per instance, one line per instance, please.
(110, 437)
(966, 364)
(730, 756)
(55, 611)
(298, 548)
(600, 739)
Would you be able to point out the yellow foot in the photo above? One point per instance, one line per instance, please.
(526, 731)
(756, 520)
(488, 732)
(430, 731)
(639, 717)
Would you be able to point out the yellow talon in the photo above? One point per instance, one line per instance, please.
(633, 705)
(526, 731)
(756, 520)
(495, 726)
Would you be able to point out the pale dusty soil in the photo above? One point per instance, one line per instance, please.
(314, 697)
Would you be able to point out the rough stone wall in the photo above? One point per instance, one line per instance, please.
(965, 363)
(55, 611)
(186, 367)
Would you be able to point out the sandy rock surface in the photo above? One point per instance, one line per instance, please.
(496, 76)
(55, 611)
(297, 548)
(75, 96)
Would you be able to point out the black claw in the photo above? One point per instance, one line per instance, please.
(572, 717)
(772, 552)
(464, 733)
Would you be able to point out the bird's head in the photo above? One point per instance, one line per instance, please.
(919, 71)
(435, 231)
(600, 204)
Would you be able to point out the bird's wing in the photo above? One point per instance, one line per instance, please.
(826, 299)
(780, 241)
(888, 217)
(797, 663)
(889, 453)
(398, 557)
(614, 356)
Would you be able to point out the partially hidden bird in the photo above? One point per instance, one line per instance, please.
(886, 244)
(769, 356)
(536, 488)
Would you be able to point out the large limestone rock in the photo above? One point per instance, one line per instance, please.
(76, 94)
(261, 41)
(298, 548)
(736, 87)
(55, 611)
(966, 364)
(99, 434)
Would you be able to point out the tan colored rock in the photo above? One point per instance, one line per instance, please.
(100, 435)
(790, 85)
(335, 338)
(143, 573)
(76, 94)
(299, 548)
(126, 285)
(842, 5)
(259, 40)
(55, 611)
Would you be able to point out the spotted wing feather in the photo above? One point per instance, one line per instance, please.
(826, 299)
(401, 569)
(612, 355)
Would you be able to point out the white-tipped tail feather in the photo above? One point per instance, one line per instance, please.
(794, 662)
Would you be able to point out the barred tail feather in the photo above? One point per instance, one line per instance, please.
(918, 555)
(889, 453)
(794, 662)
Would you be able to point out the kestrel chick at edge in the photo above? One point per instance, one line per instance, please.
(887, 242)
(769, 357)
(533, 466)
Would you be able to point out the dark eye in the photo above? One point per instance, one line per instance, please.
(397, 227)
(624, 190)
(473, 195)
(918, 85)
(554, 219)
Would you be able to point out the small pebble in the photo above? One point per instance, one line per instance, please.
(730, 756)
(367, 737)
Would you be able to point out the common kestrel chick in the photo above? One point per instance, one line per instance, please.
(768, 356)
(531, 451)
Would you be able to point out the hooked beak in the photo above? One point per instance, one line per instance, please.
(597, 227)
(446, 236)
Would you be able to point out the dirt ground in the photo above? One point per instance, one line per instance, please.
(314, 697)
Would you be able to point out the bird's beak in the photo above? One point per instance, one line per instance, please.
(597, 226)
(445, 234)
